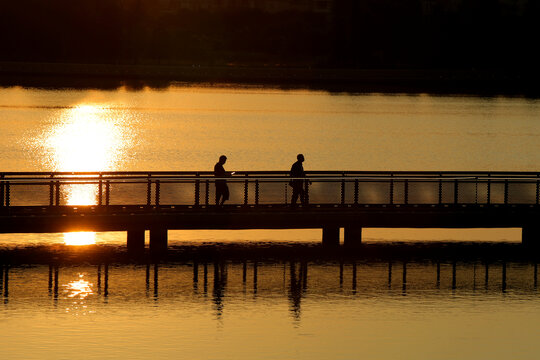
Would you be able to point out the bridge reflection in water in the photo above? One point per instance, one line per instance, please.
(159, 201)
(221, 281)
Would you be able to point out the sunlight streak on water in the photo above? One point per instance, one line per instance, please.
(79, 289)
(88, 138)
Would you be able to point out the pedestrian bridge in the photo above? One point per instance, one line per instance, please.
(42, 202)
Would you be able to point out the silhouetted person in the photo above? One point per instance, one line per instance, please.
(297, 171)
(222, 190)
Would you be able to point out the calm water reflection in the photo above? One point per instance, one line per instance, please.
(272, 310)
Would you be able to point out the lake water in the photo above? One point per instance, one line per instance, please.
(279, 311)
(374, 310)
(187, 128)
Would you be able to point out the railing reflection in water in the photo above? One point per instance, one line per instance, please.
(224, 280)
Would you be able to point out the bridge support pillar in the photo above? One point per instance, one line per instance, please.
(353, 236)
(135, 241)
(530, 236)
(330, 236)
(158, 240)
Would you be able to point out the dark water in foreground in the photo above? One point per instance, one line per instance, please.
(238, 301)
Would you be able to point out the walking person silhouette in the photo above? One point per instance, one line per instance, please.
(297, 171)
(222, 190)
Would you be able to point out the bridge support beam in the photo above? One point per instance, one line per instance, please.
(530, 236)
(135, 241)
(158, 240)
(353, 236)
(330, 236)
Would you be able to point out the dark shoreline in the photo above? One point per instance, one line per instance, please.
(408, 81)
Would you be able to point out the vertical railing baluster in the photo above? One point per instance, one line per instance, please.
(2, 190)
(57, 190)
(100, 190)
(355, 191)
(197, 190)
(342, 189)
(149, 191)
(257, 192)
(306, 193)
(51, 191)
(488, 195)
(246, 184)
(391, 189)
(406, 184)
(476, 190)
(456, 191)
(506, 192)
(440, 189)
(207, 193)
(158, 190)
(107, 193)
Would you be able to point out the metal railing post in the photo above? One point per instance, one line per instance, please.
(197, 190)
(107, 192)
(342, 190)
(100, 190)
(476, 190)
(57, 191)
(149, 191)
(488, 195)
(306, 193)
(158, 191)
(256, 192)
(440, 189)
(391, 189)
(246, 183)
(51, 191)
(2, 190)
(406, 195)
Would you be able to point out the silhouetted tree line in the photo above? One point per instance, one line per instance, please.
(356, 33)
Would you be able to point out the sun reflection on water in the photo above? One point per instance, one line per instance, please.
(79, 289)
(80, 238)
(78, 292)
(87, 137)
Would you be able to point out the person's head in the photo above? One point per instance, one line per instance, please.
(300, 157)
(222, 159)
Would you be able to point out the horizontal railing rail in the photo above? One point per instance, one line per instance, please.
(194, 188)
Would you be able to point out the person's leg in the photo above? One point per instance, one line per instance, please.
(295, 193)
(225, 194)
(218, 195)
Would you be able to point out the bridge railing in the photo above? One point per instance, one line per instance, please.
(266, 188)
